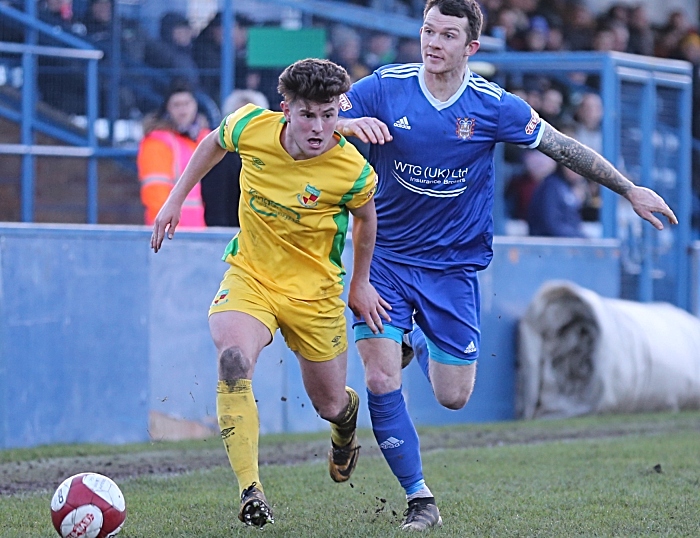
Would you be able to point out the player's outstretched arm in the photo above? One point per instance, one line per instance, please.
(363, 299)
(369, 130)
(207, 154)
(592, 165)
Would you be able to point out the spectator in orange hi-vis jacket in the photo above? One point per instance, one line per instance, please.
(171, 135)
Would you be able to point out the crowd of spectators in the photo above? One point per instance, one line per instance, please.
(181, 50)
(572, 104)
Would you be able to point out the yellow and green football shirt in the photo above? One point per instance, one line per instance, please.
(293, 214)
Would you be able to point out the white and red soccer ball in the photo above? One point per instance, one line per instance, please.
(88, 505)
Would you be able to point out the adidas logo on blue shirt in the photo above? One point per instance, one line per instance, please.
(403, 123)
(471, 348)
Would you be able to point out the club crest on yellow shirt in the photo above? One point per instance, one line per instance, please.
(309, 198)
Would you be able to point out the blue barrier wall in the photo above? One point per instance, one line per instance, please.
(73, 335)
(96, 331)
(520, 266)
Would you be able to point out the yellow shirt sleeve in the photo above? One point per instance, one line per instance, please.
(364, 188)
(232, 125)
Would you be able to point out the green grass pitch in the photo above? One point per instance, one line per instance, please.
(635, 475)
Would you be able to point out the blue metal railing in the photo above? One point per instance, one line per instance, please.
(78, 49)
(27, 147)
(341, 12)
(87, 147)
(653, 74)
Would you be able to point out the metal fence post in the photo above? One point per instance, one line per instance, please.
(92, 110)
(611, 149)
(645, 292)
(684, 211)
(29, 97)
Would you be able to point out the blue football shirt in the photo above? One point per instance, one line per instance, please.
(436, 177)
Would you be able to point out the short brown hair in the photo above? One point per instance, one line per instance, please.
(460, 8)
(312, 79)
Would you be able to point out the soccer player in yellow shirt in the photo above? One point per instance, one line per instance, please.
(299, 180)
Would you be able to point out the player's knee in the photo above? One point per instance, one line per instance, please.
(330, 410)
(329, 413)
(453, 400)
(379, 382)
(233, 365)
(453, 403)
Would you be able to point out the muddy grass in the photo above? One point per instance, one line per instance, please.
(46, 473)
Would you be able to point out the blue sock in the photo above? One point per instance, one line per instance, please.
(420, 349)
(397, 438)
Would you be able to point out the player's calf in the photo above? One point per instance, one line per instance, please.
(342, 457)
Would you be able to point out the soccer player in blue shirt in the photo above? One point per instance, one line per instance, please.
(433, 127)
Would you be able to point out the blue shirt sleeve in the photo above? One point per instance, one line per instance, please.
(518, 123)
(362, 99)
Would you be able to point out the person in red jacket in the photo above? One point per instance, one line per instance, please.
(170, 138)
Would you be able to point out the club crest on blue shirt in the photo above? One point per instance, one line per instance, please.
(309, 198)
(465, 128)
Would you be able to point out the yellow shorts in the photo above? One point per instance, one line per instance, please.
(316, 329)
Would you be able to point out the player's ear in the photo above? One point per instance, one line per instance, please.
(285, 109)
(472, 47)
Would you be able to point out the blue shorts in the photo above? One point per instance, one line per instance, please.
(445, 304)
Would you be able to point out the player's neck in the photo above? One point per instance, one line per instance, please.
(442, 86)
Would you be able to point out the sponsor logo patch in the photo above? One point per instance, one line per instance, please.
(221, 298)
(534, 120)
(371, 192)
(345, 103)
(270, 208)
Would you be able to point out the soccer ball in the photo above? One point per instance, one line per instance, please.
(88, 505)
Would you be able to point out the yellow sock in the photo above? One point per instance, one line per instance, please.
(240, 427)
(341, 431)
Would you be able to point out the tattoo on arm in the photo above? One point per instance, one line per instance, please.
(582, 160)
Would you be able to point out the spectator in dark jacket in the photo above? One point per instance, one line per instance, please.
(521, 187)
(61, 81)
(207, 52)
(555, 207)
(174, 49)
(9, 29)
(99, 26)
(641, 33)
